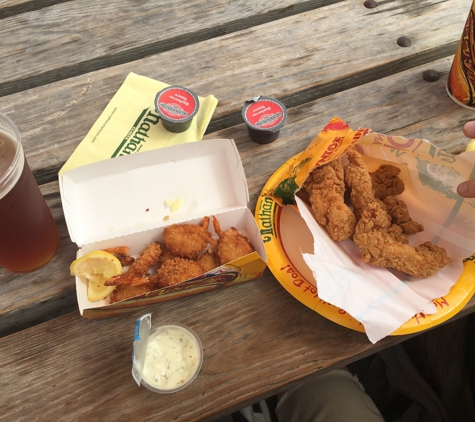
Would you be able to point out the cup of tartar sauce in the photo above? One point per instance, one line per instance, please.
(166, 358)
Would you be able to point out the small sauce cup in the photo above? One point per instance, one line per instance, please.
(264, 117)
(176, 106)
(166, 358)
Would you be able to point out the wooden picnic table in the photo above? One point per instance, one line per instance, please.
(60, 64)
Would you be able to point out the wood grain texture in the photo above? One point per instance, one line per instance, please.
(15, 7)
(381, 105)
(79, 357)
(257, 341)
(76, 37)
(298, 69)
(322, 58)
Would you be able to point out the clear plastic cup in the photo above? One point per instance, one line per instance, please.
(29, 237)
(167, 358)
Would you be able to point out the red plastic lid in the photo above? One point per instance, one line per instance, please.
(176, 103)
(264, 113)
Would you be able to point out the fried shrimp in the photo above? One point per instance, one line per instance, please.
(187, 240)
(166, 254)
(208, 261)
(127, 291)
(140, 266)
(177, 270)
(231, 244)
(122, 254)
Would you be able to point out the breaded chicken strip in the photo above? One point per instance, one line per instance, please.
(379, 248)
(326, 188)
(399, 213)
(359, 181)
(386, 181)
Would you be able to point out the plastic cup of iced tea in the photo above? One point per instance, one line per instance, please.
(29, 237)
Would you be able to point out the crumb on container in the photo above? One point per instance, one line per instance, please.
(174, 205)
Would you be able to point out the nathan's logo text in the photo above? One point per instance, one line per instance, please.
(266, 211)
(138, 133)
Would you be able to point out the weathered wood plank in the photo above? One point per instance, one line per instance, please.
(62, 41)
(379, 105)
(79, 357)
(15, 7)
(297, 69)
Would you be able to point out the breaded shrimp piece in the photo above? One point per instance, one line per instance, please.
(126, 291)
(399, 213)
(386, 181)
(166, 253)
(326, 188)
(379, 248)
(208, 261)
(122, 254)
(358, 179)
(187, 240)
(231, 244)
(140, 266)
(177, 270)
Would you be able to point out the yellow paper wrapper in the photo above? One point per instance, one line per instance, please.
(130, 124)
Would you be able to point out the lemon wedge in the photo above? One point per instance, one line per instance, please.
(96, 267)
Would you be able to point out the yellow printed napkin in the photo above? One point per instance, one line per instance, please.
(130, 124)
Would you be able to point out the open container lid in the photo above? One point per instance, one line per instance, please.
(130, 194)
(142, 332)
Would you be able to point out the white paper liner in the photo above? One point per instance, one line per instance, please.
(374, 296)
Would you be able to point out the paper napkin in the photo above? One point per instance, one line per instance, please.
(130, 124)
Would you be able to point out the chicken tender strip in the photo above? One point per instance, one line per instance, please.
(358, 179)
(386, 181)
(399, 213)
(139, 267)
(326, 189)
(379, 248)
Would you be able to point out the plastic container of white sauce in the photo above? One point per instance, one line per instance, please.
(165, 358)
